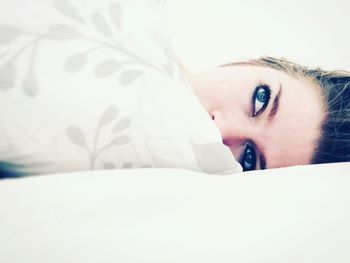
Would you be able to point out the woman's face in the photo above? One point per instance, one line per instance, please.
(268, 118)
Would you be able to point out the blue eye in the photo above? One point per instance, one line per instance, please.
(248, 160)
(260, 99)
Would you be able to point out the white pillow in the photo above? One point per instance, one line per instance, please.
(96, 85)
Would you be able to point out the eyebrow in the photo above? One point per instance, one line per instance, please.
(275, 105)
(271, 116)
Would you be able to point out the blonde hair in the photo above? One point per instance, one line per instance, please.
(334, 142)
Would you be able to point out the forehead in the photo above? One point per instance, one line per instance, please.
(247, 73)
(264, 70)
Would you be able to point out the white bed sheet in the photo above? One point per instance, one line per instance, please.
(296, 214)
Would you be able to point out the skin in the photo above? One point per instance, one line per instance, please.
(285, 139)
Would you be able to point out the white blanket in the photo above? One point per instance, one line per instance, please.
(96, 85)
(296, 214)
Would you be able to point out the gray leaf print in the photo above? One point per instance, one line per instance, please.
(8, 34)
(161, 40)
(63, 32)
(127, 165)
(168, 68)
(109, 166)
(75, 63)
(129, 76)
(122, 124)
(107, 68)
(76, 136)
(121, 140)
(110, 114)
(101, 25)
(7, 76)
(115, 10)
(68, 10)
(30, 85)
(3, 55)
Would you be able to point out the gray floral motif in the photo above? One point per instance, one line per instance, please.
(106, 68)
(115, 10)
(8, 34)
(30, 85)
(68, 10)
(110, 114)
(8, 71)
(7, 76)
(120, 140)
(76, 62)
(76, 136)
(101, 25)
(129, 76)
(62, 33)
(127, 165)
(109, 166)
(123, 124)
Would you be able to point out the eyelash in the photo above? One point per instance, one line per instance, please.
(249, 155)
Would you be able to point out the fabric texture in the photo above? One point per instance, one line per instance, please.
(97, 85)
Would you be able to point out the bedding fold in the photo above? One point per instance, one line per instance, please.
(97, 85)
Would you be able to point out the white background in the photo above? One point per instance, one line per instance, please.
(207, 33)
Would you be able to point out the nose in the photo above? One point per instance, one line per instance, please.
(235, 128)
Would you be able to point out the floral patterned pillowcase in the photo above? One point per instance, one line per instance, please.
(96, 85)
